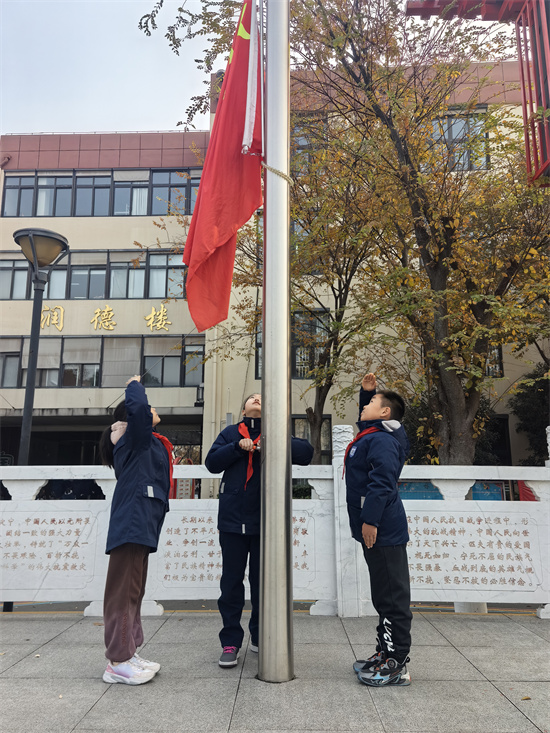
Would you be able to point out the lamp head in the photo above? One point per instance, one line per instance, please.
(41, 247)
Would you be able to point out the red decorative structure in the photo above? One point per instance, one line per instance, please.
(532, 21)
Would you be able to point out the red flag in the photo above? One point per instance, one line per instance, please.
(230, 189)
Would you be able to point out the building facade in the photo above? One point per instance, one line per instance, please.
(115, 306)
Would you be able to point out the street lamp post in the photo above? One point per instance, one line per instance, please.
(43, 249)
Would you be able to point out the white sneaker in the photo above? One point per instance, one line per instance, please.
(128, 673)
(145, 663)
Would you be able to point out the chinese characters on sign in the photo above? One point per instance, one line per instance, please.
(47, 549)
(52, 317)
(158, 319)
(468, 550)
(103, 319)
(191, 553)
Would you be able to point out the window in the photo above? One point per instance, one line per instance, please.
(19, 195)
(162, 362)
(80, 375)
(14, 279)
(44, 378)
(89, 276)
(87, 283)
(47, 366)
(81, 362)
(9, 368)
(464, 140)
(309, 333)
(121, 357)
(302, 429)
(164, 357)
(193, 364)
(56, 287)
(54, 195)
(93, 194)
(139, 192)
(125, 279)
(493, 366)
(166, 276)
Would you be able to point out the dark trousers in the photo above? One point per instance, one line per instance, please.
(391, 597)
(124, 589)
(236, 550)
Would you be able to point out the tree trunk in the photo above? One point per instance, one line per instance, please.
(315, 419)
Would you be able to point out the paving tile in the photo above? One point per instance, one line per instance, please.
(447, 707)
(313, 629)
(26, 704)
(90, 630)
(299, 705)
(11, 654)
(55, 661)
(187, 660)
(490, 630)
(442, 663)
(515, 665)
(34, 628)
(165, 704)
(539, 626)
(537, 708)
(190, 628)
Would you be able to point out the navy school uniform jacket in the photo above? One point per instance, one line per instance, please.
(373, 467)
(239, 508)
(142, 469)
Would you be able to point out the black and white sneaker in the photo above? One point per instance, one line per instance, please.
(366, 665)
(388, 672)
(229, 656)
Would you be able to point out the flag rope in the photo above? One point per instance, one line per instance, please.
(277, 172)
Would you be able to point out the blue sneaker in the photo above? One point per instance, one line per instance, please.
(388, 672)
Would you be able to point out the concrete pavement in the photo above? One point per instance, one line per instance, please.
(470, 674)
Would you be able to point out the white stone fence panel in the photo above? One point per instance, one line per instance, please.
(464, 552)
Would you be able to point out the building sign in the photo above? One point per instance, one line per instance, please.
(52, 317)
(103, 319)
(158, 319)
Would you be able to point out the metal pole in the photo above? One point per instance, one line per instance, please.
(276, 662)
(39, 282)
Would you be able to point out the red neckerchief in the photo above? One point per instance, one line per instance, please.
(243, 430)
(169, 448)
(372, 429)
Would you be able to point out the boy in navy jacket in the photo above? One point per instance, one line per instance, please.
(373, 463)
(236, 452)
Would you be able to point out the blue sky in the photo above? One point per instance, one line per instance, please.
(84, 66)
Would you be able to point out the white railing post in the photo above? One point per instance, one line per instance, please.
(348, 561)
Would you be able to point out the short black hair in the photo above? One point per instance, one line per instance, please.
(395, 402)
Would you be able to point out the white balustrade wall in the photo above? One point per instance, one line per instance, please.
(461, 551)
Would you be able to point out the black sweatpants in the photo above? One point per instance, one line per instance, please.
(391, 597)
(237, 549)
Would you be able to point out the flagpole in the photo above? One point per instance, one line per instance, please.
(276, 659)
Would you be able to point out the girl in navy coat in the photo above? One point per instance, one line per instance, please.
(142, 460)
(236, 452)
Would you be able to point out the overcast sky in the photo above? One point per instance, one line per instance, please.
(84, 66)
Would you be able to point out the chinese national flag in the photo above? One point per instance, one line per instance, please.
(230, 188)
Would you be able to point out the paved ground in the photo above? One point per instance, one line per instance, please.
(470, 674)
